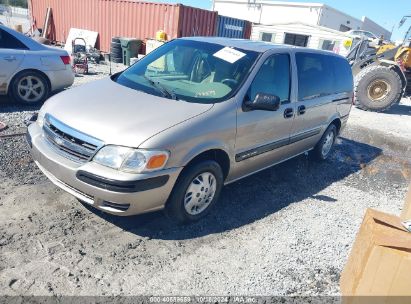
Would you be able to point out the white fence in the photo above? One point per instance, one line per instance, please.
(13, 11)
(19, 11)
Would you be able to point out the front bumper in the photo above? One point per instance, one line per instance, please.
(106, 189)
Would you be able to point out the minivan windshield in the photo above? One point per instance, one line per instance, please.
(190, 70)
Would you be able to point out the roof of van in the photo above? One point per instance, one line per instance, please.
(253, 45)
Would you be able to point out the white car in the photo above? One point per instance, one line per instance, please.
(30, 71)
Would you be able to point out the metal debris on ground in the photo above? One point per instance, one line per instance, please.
(4, 136)
(3, 126)
(29, 119)
(407, 225)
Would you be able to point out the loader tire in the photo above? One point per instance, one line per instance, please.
(377, 88)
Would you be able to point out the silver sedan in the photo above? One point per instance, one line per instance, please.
(31, 71)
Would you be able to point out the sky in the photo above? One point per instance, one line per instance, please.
(386, 13)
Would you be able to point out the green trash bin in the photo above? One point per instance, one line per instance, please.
(130, 47)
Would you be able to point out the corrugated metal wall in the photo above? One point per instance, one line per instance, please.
(248, 29)
(125, 18)
(196, 22)
(230, 27)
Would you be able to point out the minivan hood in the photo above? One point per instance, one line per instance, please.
(119, 115)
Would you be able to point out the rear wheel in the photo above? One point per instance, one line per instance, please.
(377, 88)
(196, 191)
(30, 88)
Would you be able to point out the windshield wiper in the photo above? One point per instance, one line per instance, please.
(163, 90)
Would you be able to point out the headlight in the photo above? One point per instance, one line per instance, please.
(131, 160)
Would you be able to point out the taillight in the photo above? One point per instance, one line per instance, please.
(66, 59)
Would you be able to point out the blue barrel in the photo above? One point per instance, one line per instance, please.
(230, 27)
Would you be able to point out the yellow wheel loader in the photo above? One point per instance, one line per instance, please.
(382, 72)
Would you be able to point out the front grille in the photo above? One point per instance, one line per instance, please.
(69, 142)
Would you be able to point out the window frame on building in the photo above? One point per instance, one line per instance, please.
(334, 42)
(344, 28)
(288, 34)
(262, 33)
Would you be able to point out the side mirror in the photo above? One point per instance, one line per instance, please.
(264, 102)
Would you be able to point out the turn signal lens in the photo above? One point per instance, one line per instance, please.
(157, 161)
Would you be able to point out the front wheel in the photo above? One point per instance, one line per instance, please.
(30, 88)
(324, 147)
(196, 191)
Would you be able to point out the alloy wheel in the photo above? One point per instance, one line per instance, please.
(31, 89)
(200, 193)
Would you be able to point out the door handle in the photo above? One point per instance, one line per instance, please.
(288, 113)
(301, 110)
(9, 58)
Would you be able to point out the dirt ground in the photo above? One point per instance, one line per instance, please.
(285, 231)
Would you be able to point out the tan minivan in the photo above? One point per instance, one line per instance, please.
(191, 116)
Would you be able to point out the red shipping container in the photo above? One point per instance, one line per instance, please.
(125, 18)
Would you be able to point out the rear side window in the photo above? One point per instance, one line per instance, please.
(315, 75)
(7, 41)
(343, 75)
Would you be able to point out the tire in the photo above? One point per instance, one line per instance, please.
(371, 82)
(115, 46)
(30, 88)
(179, 201)
(116, 55)
(324, 147)
(116, 50)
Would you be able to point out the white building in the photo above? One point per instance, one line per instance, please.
(281, 12)
(301, 34)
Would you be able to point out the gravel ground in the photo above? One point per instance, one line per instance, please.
(285, 231)
(396, 121)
